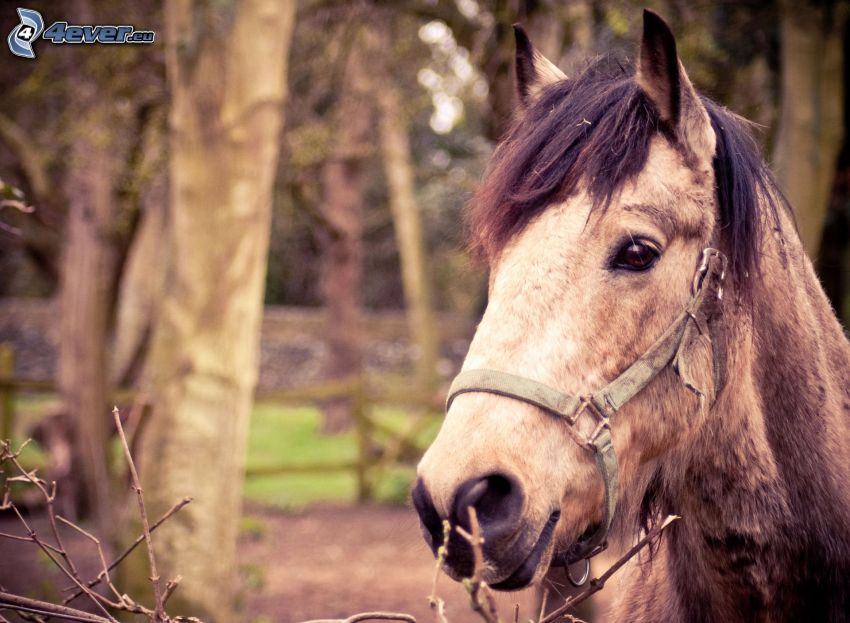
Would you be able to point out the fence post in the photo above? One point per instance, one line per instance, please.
(364, 441)
(7, 391)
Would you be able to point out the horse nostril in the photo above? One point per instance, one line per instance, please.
(432, 524)
(497, 500)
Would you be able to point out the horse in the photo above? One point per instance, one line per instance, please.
(655, 342)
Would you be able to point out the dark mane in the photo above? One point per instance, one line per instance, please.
(597, 128)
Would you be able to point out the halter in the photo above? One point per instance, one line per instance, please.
(699, 318)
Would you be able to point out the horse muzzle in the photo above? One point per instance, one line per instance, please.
(513, 549)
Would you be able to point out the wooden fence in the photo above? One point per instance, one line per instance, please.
(364, 394)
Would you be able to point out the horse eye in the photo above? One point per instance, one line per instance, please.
(636, 255)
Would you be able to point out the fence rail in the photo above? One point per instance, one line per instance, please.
(364, 395)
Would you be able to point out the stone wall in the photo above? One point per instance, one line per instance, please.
(293, 352)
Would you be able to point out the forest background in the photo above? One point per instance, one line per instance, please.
(267, 202)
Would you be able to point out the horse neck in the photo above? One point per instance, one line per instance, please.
(763, 491)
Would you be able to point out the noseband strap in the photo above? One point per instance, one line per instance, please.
(701, 315)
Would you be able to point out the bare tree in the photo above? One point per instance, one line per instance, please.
(226, 67)
(401, 182)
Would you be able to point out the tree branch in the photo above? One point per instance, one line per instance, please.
(25, 604)
(16, 139)
(130, 549)
(159, 611)
(596, 584)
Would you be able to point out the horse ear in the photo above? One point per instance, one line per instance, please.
(658, 67)
(534, 71)
(661, 76)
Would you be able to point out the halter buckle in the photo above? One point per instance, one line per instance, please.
(586, 404)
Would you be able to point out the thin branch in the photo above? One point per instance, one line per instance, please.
(380, 616)
(30, 160)
(50, 550)
(34, 610)
(96, 542)
(170, 587)
(435, 602)
(49, 497)
(97, 600)
(132, 547)
(17, 204)
(370, 616)
(482, 598)
(596, 584)
(159, 611)
(15, 537)
(9, 601)
(543, 604)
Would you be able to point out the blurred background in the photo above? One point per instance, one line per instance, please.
(248, 235)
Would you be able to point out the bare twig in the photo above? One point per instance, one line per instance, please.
(170, 587)
(130, 549)
(52, 551)
(543, 604)
(49, 497)
(25, 604)
(480, 594)
(436, 603)
(15, 537)
(16, 204)
(96, 542)
(35, 610)
(370, 616)
(380, 616)
(97, 600)
(159, 611)
(68, 568)
(596, 584)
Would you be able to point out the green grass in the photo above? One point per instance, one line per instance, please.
(290, 435)
(283, 435)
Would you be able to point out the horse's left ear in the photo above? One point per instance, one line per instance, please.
(534, 71)
(661, 76)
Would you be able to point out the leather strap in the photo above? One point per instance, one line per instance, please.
(701, 315)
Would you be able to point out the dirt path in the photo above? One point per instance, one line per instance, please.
(334, 562)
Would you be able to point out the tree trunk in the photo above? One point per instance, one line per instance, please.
(141, 288)
(398, 168)
(107, 149)
(90, 259)
(226, 66)
(343, 186)
(811, 124)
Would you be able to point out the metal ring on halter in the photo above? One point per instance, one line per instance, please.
(584, 577)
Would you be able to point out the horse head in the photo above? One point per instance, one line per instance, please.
(594, 217)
